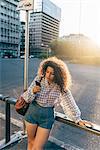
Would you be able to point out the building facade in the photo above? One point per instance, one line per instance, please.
(9, 28)
(43, 26)
(22, 38)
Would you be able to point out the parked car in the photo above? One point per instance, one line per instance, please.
(22, 57)
(31, 56)
(5, 56)
(9, 56)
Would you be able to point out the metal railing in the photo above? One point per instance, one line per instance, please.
(95, 129)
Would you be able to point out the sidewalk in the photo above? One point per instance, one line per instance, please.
(22, 145)
(13, 128)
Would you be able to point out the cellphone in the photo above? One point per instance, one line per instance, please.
(38, 83)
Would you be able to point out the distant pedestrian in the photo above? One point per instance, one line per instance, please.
(50, 86)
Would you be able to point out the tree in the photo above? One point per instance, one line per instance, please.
(74, 46)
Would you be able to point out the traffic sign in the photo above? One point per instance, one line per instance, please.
(25, 5)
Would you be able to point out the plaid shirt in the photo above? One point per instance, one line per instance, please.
(50, 95)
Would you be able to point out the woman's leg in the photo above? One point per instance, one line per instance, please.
(31, 132)
(41, 138)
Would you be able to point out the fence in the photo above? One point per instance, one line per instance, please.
(95, 129)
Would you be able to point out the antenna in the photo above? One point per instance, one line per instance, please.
(79, 32)
(80, 15)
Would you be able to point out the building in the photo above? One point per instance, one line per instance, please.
(9, 28)
(22, 39)
(43, 26)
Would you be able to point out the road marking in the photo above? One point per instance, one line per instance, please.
(98, 94)
(16, 122)
(62, 144)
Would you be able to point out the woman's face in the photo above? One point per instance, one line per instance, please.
(49, 74)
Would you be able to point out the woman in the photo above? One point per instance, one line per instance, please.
(50, 86)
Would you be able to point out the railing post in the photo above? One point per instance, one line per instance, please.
(7, 124)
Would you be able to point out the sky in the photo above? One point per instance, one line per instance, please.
(80, 16)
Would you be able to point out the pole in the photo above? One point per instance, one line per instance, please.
(26, 52)
(26, 59)
(24, 5)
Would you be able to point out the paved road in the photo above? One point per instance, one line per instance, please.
(85, 89)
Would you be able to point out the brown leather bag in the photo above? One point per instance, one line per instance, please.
(21, 106)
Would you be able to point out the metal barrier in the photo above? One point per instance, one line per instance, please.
(95, 129)
(8, 138)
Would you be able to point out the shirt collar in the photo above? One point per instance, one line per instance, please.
(47, 84)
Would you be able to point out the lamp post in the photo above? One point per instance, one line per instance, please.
(45, 49)
(49, 51)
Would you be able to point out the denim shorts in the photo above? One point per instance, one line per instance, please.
(42, 116)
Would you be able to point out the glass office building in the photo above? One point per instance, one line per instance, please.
(47, 7)
(44, 25)
(9, 28)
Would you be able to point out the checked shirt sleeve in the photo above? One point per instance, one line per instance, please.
(28, 95)
(69, 107)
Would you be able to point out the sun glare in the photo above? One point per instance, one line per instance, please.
(80, 16)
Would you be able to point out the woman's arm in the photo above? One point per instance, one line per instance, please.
(29, 95)
(69, 106)
(71, 109)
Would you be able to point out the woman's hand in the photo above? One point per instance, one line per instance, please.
(36, 89)
(84, 123)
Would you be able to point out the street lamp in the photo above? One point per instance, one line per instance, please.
(47, 49)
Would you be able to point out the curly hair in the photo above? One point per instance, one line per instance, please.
(62, 75)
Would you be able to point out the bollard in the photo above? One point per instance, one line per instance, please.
(7, 123)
